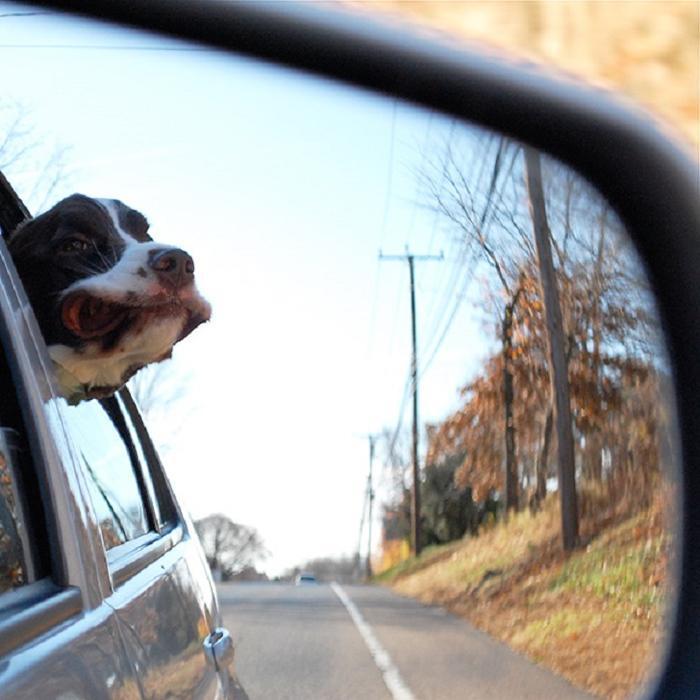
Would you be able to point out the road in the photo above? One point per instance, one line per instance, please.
(365, 643)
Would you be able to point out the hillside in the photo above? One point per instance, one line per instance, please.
(594, 616)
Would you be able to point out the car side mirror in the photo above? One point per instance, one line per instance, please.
(518, 164)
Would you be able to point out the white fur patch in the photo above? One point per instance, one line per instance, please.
(90, 367)
(131, 274)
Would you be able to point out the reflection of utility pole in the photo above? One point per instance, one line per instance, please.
(415, 492)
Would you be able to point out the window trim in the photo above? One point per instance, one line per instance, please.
(161, 485)
(125, 560)
(16, 351)
(128, 559)
(35, 609)
(119, 423)
(146, 481)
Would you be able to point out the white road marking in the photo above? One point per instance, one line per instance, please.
(392, 678)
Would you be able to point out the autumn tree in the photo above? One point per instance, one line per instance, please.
(609, 341)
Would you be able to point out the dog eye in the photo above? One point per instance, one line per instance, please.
(74, 245)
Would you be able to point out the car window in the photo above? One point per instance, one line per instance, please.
(14, 549)
(23, 554)
(111, 466)
(163, 512)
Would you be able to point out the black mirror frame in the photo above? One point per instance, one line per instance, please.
(650, 181)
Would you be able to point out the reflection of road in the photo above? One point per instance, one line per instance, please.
(305, 642)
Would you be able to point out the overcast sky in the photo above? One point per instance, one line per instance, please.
(283, 188)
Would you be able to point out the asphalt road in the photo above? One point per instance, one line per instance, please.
(305, 642)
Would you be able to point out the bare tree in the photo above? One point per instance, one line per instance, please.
(35, 169)
(159, 391)
(157, 387)
(229, 547)
(474, 202)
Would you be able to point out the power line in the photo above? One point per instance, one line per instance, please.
(490, 207)
(395, 316)
(408, 385)
(443, 175)
(448, 294)
(390, 173)
(385, 217)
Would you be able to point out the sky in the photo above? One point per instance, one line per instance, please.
(283, 188)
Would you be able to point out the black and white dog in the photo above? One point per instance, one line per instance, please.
(109, 300)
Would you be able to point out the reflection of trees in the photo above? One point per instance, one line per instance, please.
(12, 572)
(113, 530)
(116, 468)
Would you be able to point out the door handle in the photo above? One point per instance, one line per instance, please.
(218, 648)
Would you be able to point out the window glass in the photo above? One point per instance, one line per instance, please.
(145, 471)
(24, 551)
(156, 483)
(14, 547)
(109, 466)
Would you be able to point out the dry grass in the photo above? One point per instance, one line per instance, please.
(593, 616)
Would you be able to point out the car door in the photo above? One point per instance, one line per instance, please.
(141, 563)
(159, 586)
(58, 638)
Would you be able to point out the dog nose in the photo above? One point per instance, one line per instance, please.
(173, 266)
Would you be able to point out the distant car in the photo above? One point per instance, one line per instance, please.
(305, 578)
(104, 588)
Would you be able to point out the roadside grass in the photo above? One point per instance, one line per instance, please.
(428, 557)
(594, 616)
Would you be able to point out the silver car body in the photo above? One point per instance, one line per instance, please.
(139, 621)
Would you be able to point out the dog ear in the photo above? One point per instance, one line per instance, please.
(31, 232)
(16, 242)
(132, 222)
(136, 224)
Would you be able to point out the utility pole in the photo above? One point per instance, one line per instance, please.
(367, 508)
(557, 354)
(415, 491)
(370, 496)
(359, 539)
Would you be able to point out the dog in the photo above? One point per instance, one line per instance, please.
(108, 299)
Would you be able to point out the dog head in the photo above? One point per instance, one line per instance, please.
(108, 299)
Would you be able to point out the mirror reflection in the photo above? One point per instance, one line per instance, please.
(433, 362)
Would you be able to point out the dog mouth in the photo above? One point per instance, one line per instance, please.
(91, 317)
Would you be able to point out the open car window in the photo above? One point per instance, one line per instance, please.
(22, 558)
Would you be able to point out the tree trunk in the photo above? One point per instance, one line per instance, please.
(558, 365)
(543, 457)
(512, 496)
